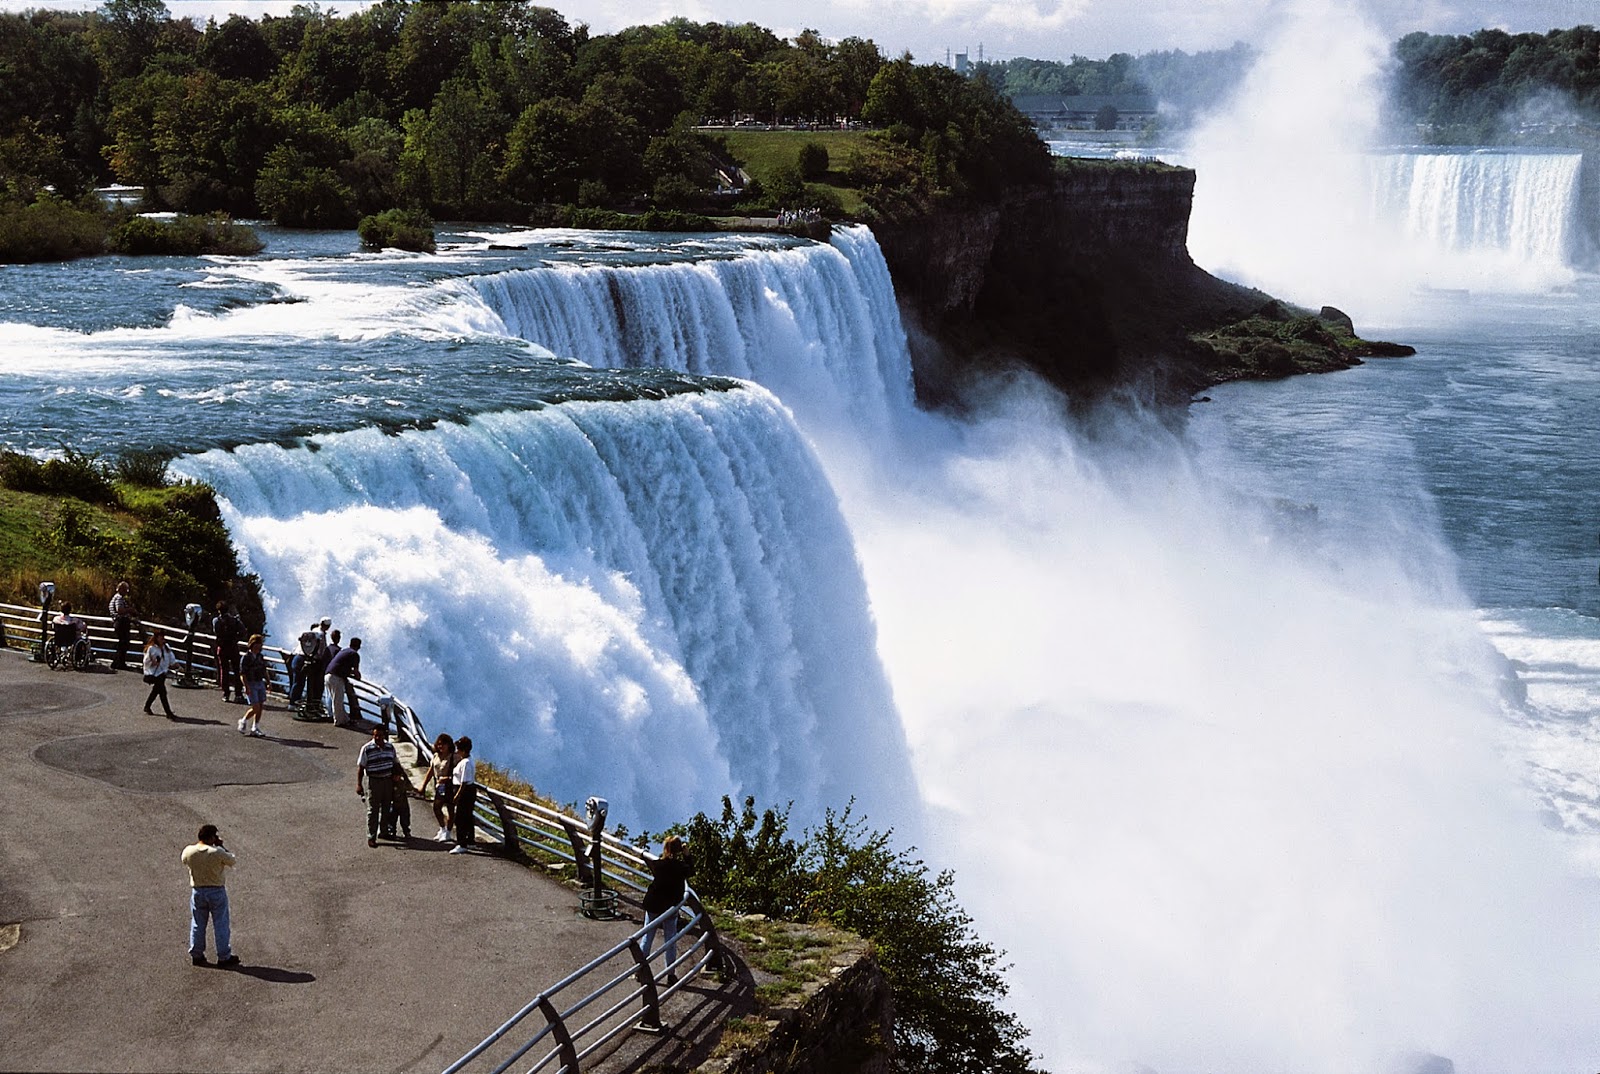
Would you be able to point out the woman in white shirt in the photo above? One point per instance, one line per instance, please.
(158, 660)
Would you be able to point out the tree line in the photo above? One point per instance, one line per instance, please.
(1492, 86)
(463, 110)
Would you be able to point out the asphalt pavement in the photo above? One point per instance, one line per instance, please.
(398, 958)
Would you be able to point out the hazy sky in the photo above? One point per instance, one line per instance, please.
(1050, 29)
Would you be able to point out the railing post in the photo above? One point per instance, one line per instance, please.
(719, 957)
(508, 827)
(651, 1020)
(569, 1054)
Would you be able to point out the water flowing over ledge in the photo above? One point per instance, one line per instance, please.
(642, 600)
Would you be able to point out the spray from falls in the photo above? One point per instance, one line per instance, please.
(1294, 195)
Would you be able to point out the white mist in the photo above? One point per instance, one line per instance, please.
(1232, 801)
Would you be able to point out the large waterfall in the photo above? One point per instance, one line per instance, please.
(655, 600)
(816, 324)
(1519, 205)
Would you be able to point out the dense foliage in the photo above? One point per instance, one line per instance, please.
(458, 109)
(1493, 86)
(87, 524)
(947, 982)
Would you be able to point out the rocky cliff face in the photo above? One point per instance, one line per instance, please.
(1088, 281)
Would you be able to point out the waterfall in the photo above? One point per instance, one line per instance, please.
(1519, 205)
(817, 324)
(655, 601)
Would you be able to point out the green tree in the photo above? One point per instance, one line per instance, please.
(947, 981)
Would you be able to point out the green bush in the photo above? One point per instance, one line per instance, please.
(75, 474)
(184, 236)
(947, 982)
(813, 161)
(142, 469)
(50, 229)
(400, 229)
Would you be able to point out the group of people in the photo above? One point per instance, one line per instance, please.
(382, 780)
(324, 667)
(791, 217)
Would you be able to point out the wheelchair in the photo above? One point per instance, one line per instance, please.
(68, 650)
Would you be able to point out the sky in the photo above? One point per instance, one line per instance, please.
(1003, 29)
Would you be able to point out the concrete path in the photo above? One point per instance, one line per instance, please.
(398, 958)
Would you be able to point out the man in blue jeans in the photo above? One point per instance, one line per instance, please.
(208, 897)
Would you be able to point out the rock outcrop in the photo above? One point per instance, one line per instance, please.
(1088, 281)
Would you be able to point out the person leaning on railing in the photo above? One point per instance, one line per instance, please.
(670, 880)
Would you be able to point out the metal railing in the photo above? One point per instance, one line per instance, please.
(629, 985)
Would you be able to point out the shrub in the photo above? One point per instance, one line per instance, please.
(185, 236)
(75, 474)
(813, 161)
(142, 469)
(400, 229)
(947, 982)
(50, 229)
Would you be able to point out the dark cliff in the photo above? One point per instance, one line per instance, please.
(1088, 281)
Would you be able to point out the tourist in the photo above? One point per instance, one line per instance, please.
(68, 629)
(317, 669)
(253, 672)
(208, 896)
(464, 776)
(399, 805)
(158, 660)
(444, 758)
(345, 666)
(122, 615)
(669, 881)
(300, 663)
(376, 763)
(228, 631)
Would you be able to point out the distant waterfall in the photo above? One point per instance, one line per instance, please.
(817, 324)
(1521, 205)
(655, 601)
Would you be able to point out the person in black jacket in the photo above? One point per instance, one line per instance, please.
(670, 874)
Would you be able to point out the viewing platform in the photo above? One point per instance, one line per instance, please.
(398, 958)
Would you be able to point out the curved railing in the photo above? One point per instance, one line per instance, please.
(625, 994)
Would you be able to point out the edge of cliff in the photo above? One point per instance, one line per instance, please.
(1087, 281)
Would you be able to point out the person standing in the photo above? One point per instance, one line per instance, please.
(158, 660)
(669, 881)
(444, 759)
(376, 763)
(229, 632)
(205, 859)
(122, 614)
(317, 668)
(253, 672)
(345, 666)
(464, 775)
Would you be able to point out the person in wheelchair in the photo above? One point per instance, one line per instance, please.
(68, 628)
(71, 638)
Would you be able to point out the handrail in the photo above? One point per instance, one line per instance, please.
(516, 822)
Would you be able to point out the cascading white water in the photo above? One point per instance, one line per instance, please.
(652, 601)
(807, 322)
(1519, 206)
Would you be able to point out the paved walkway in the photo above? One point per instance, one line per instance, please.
(398, 958)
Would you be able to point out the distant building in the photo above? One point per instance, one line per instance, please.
(1079, 112)
(961, 63)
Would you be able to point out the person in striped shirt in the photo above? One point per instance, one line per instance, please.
(377, 762)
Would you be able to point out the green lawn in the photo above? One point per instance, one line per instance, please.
(763, 152)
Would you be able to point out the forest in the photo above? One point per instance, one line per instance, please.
(464, 110)
(1493, 86)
